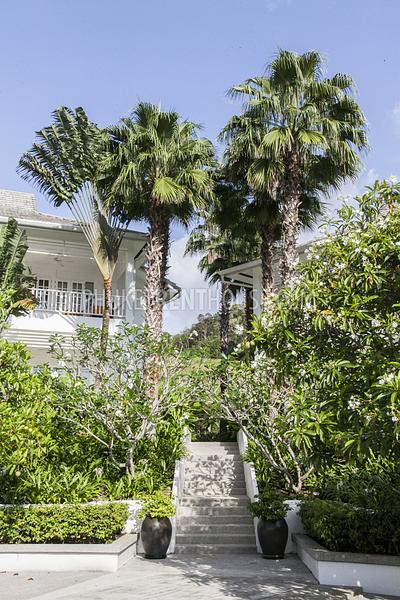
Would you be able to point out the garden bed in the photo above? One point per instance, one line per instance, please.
(68, 557)
(83, 537)
(375, 573)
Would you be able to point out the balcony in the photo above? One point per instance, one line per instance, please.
(86, 304)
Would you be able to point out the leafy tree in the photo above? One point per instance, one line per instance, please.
(15, 276)
(203, 337)
(159, 168)
(111, 403)
(65, 164)
(332, 340)
(299, 131)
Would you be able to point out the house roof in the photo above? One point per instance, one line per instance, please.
(242, 275)
(22, 207)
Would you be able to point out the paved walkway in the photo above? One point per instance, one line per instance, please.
(240, 577)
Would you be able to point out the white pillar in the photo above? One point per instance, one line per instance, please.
(257, 287)
(130, 288)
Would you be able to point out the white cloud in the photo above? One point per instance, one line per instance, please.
(196, 296)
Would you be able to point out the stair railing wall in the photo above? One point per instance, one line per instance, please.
(178, 487)
(250, 479)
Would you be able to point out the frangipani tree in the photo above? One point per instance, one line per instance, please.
(65, 163)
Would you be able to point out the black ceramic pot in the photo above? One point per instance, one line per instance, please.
(156, 535)
(273, 536)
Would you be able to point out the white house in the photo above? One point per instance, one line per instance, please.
(69, 287)
(248, 275)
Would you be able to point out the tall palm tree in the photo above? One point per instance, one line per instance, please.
(15, 276)
(160, 172)
(262, 210)
(65, 164)
(303, 127)
(221, 247)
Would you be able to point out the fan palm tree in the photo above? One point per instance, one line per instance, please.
(160, 172)
(65, 164)
(261, 212)
(221, 247)
(15, 276)
(301, 126)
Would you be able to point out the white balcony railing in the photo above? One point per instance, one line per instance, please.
(77, 303)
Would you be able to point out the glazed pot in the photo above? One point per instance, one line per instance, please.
(273, 536)
(156, 536)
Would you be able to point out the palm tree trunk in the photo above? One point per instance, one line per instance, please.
(290, 221)
(165, 253)
(248, 308)
(224, 317)
(267, 255)
(105, 327)
(156, 259)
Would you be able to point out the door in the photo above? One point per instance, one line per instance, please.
(77, 297)
(42, 293)
(62, 296)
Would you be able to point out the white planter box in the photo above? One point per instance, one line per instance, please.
(293, 520)
(68, 557)
(374, 573)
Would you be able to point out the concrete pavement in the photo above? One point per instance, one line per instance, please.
(180, 577)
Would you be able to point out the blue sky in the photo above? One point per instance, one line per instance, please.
(106, 55)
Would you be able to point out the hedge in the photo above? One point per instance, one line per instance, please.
(342, 527)
(62, 524)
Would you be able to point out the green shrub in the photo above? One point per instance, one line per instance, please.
(62, 524)
(345, 528)
(159, 505)
(269, 506)
(375, 485)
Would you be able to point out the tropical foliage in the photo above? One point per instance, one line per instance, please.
(324, 381)
(159, 172)
(221, 247)
(15, 277)
(66, 164)
(332, 338)
(56, 443)
(299, 134)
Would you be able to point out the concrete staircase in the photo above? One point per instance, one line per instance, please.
(213, 516)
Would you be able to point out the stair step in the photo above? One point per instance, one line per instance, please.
(215, 474)
(216, 519)
(215, 529)
(201, 445)
(206, 484)
(211, 493)
(215, 549)
(231, 512)
(210, 501)
(216, 538)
